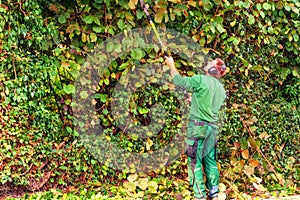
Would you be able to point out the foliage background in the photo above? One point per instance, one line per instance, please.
(43, 44)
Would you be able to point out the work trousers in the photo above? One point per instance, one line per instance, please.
(205, 158)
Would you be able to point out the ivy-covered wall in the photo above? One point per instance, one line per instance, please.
(43, 45)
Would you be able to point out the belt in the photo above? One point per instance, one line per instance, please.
(202, 123)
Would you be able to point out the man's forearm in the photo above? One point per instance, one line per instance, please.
(173, 71)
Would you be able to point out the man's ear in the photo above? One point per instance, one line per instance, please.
(213, 71)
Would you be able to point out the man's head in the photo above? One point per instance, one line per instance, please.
(215, 68)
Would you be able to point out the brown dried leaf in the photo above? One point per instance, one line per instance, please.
(245, 154)
(253, 163)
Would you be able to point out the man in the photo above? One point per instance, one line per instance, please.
(208, 95)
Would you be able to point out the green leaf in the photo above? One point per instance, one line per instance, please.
(110, 47)
(137, 54)
(123, 66)
(2, 10)
(118, 48)
(69, 89)
(69, 129)
(246, 4)
(121, 24)
(98, 29)
(220, 28)
(296, 37)
(266, 6)
(295, 10)
(295, 73)
(287, 7)
(111, 30)
(84, 94)
(207, 5)
(103, 97)
(258, 6)
(251, 19)
(88, 19)
(139, 14)
(106, 81)
(212, 28)
(202, 41)
(262, 14)
(85, 2)
(96, 20)
(62, 19)
(134, 136)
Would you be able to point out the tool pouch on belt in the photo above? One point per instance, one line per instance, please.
(191, 148)
(196, 131)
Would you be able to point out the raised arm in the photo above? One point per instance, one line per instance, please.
(193, 83)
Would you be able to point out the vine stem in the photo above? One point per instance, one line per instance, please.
(280, 180)
(20, 4)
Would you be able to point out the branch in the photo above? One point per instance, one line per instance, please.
(280, 180)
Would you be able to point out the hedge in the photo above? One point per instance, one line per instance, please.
(44, 45)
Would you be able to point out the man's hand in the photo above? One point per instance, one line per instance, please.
(169, 61)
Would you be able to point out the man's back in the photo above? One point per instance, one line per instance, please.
(207, 98)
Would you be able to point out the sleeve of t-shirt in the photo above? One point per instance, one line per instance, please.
(194, 83)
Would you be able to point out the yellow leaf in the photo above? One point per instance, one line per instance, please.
(192, 3)
(245, 154)
(143, 183)
(222, 187)
(65, 196)
(219, 166)
(185, 193)
(221, 196)
(93, 37)
(264, 135)
(149, 143)
(130, 186)
(250, 82)
(259, 187)
(141, 194)
(249, 170)
(94, 102)
(83, 37)
(238, 166)
(132, 177)
(152, 185)
(161, 12)
(132, 4)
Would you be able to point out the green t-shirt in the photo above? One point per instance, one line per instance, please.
(208, 95)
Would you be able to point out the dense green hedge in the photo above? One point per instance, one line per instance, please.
(43, 45)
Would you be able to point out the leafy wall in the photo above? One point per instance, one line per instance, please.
(42, 48)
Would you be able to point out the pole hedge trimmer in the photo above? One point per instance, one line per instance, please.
(144, 7)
